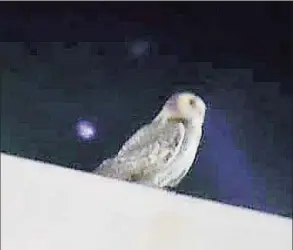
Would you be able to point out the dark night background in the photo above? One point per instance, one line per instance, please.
(114, 65)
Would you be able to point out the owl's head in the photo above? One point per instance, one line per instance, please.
(184, 107)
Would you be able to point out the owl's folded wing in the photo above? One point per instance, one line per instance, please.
(150, 150)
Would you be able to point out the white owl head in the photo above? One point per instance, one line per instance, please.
(185, 107)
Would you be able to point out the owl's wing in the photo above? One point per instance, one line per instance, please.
(150, 150)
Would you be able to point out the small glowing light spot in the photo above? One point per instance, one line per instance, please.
(85, 130)
(140, 48)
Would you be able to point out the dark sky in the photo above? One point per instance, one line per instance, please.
(114, 65)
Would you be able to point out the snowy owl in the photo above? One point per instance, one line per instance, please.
(161, 153)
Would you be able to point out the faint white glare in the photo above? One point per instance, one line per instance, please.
(85, 130)
(140, 48)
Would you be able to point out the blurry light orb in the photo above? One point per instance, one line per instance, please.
(140, 48)
(86, 130)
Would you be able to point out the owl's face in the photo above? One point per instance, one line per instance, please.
(187, 107)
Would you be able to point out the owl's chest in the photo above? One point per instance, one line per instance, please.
(182, 163)
(187, 152)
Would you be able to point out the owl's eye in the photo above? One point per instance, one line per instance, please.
(192, 102)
